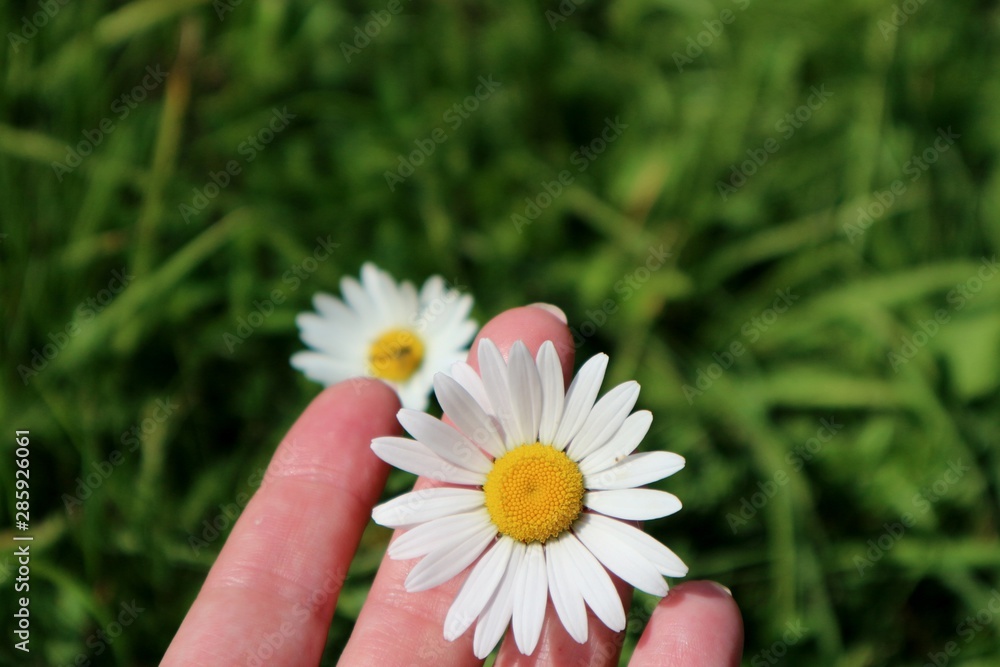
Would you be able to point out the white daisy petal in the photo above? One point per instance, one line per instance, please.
(525, 391)
(438, 534)
(468, 415)
(496, 616)
(496, 384)
(663, 559)
(324, 369)
(358, 299)
(445, 313)
(431, 291)
(635, 470)
(621, 445)
(531, 592)
(633, 504)
(419, 507)
(441, 565)
(444, 440)
(478, 588)
(412, 395)
(472, 383)
(332, 308)
(395, 296)
(460, 335)
(623, 560)
(451, 338)
(553, 391)
(327, 332)
(580, 399)
(595, 584)
(461, 310)
(414, 457)
(382, 291)
(330, 336)
(408, 296)
(566, 595)
(605, 419)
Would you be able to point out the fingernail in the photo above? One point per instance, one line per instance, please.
(722, 588)
(555, 310)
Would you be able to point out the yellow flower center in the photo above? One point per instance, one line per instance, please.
(534, 493)
(396, 355)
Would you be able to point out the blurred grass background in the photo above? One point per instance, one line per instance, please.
(817, 547)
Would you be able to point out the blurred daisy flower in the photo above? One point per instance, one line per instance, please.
(386, 330)
(542, 485)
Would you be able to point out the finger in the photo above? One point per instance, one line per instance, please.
(396, 627)
(697, 625)
(271, 594)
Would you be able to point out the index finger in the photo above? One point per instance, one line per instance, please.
(270, 596)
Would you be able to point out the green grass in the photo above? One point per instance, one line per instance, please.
(860, 294)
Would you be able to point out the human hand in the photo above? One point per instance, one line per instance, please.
(269, 598)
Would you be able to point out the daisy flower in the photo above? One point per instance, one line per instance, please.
(386, 330)
(540, 484)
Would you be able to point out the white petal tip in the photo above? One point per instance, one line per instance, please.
(527, 650)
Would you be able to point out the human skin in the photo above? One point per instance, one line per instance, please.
(270, 597)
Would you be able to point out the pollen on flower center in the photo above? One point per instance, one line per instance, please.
(396, 355)
(534, 493)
